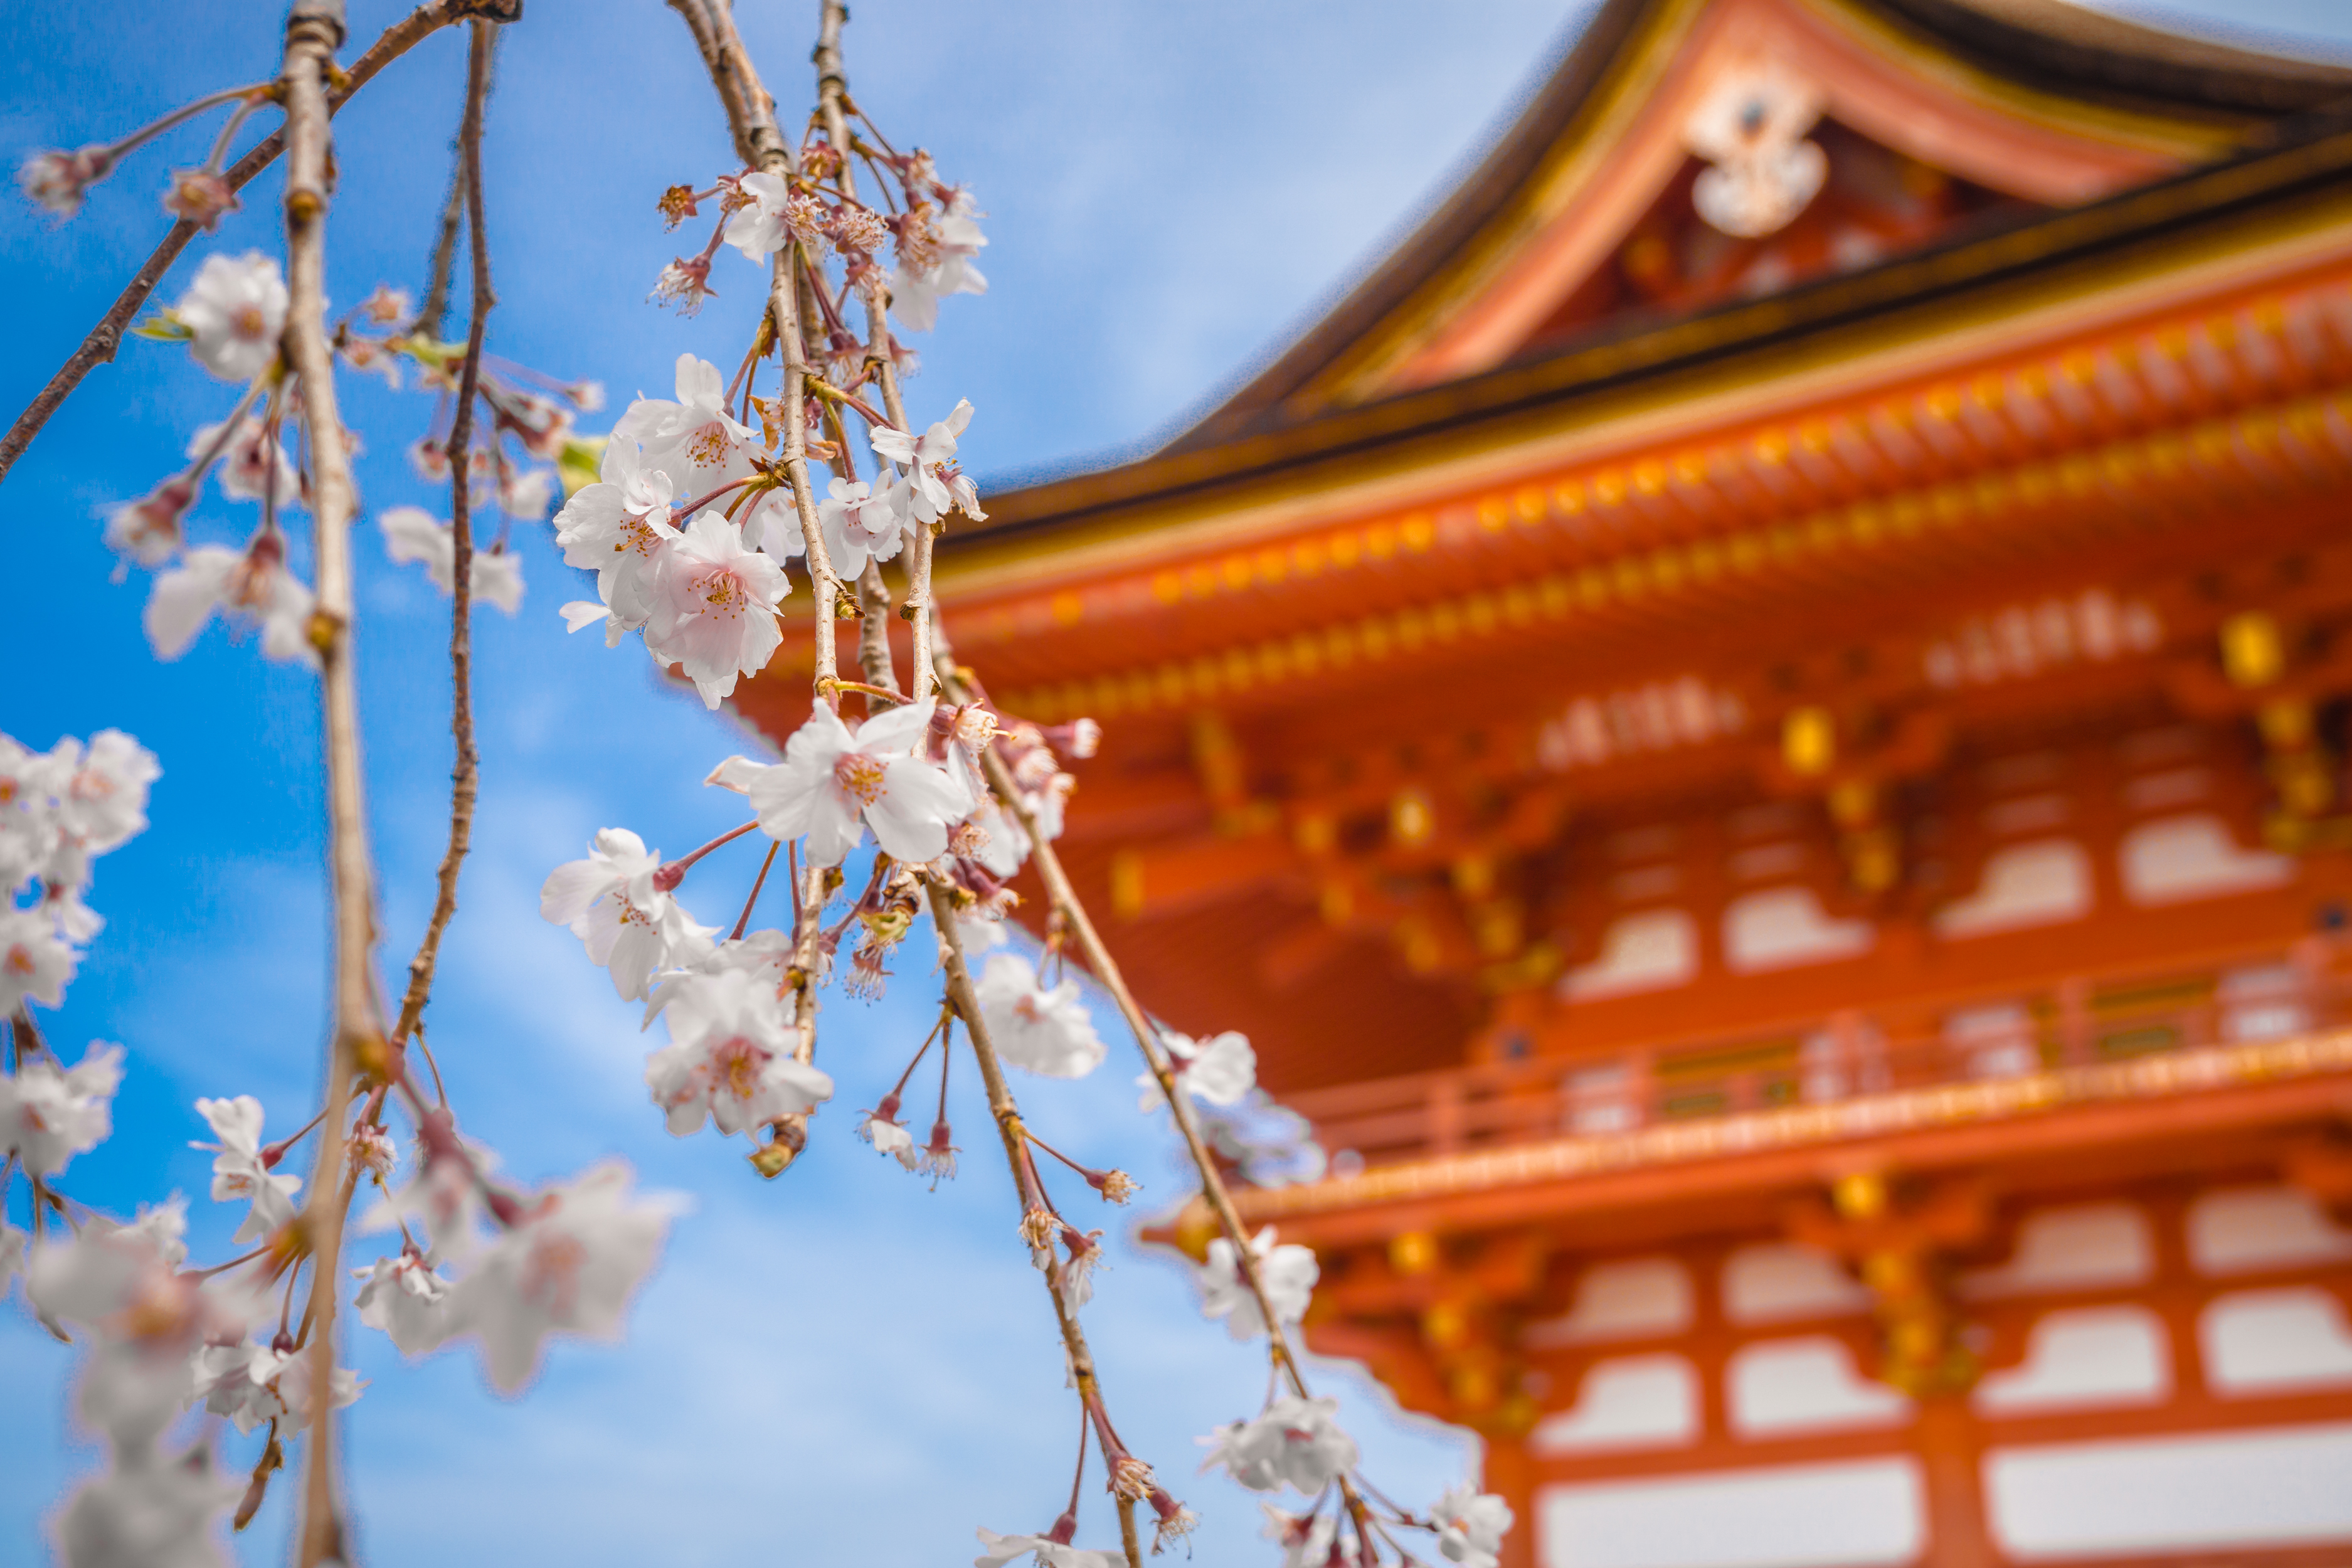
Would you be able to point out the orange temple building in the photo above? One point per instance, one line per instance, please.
(1754, 728)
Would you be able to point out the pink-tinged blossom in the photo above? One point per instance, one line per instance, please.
(1305, 1539)
(49, 1112)
(443, 1199)
(1287, 1273)
(619, 529)
(34, 962)
(695, 440)
(121, 1283)
(1218, 1071)
(761, 226)
(996, 1551)
(413, 535)
(568, 1265)
(714, 607)
(55, 180)
(524, 494)
(1046, 1032)
(923, 494)
(239, 1171)
(247, 462)
(249, 586)
(685, 283)
(405, 1298)
(103, 800)
(148, 529)
(149, 1511)
(251, 1384)
(387, 306)
(610, 903)
(730, 1056)
(955, 239)
(236, 309)
(834, 783)
(1471, 1525)
(200, 197)
(1293, 1442)
(860, 526)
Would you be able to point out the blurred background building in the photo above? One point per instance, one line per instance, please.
(1754, 726)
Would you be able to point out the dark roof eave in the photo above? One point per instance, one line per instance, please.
(2314, 155)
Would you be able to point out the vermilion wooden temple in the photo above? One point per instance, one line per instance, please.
(1754, 728)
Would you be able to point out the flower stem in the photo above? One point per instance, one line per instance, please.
(757, 882)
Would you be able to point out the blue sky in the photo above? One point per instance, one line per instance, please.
(839, 1362)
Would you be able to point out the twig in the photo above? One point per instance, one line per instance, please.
(445, 248)
(832, 82)
(1007, 1116)
(314, 30)
(465, 771)
(100, 346)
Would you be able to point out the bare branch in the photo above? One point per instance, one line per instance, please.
(464, 779)
(1007, 1115)
(100, 346)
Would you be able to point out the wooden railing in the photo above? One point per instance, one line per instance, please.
(2008, 1034)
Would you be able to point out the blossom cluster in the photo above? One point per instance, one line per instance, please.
(59, 810)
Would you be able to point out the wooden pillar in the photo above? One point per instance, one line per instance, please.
(1510, 1474)
(1951, 1472)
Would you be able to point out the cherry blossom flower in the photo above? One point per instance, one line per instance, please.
(915, 295)
(759, 227)
(239, 1169)
(630, 926)
(387, 306)
(250, 585)
(103, 801)
(524, 494)
(695, 440)
(1078, 1272)
(1471, 1525)
(200, 197)
(923, 495)
(882, 1129)
(247, 462)
(1049, 1033)
(49, 1112)
(714, 607)
(443, 1199)
(1287, 1273)
(860, 526)
(1218, 1071)
(407, 1301)
(834, 782)
(120, 1282)
(147, 1513)
(56, 180)
(996, 1551)
(148, 529)
(251, 1384)
(1307, 1540)
(35, 963)
(685, 283)
(568, 1264)
(1293, 1442)
(618, 528)
(236, 309)
(731, 1058)
(410, 534)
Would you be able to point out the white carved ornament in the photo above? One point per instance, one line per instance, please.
(1751, 128)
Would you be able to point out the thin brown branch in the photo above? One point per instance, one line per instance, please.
(1007, 1116)
(465, 770)
(445, 248)
(106, 338)
(832, 87)
(314, 28)
(1066, 902)
(752, 113)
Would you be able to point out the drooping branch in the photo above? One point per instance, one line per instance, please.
(1007, 1113)
(464, 776)
(106, 338)
(1066, 903)
(832, 88)
(314, 30)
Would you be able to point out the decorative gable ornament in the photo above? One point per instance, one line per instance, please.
(1751, 131)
